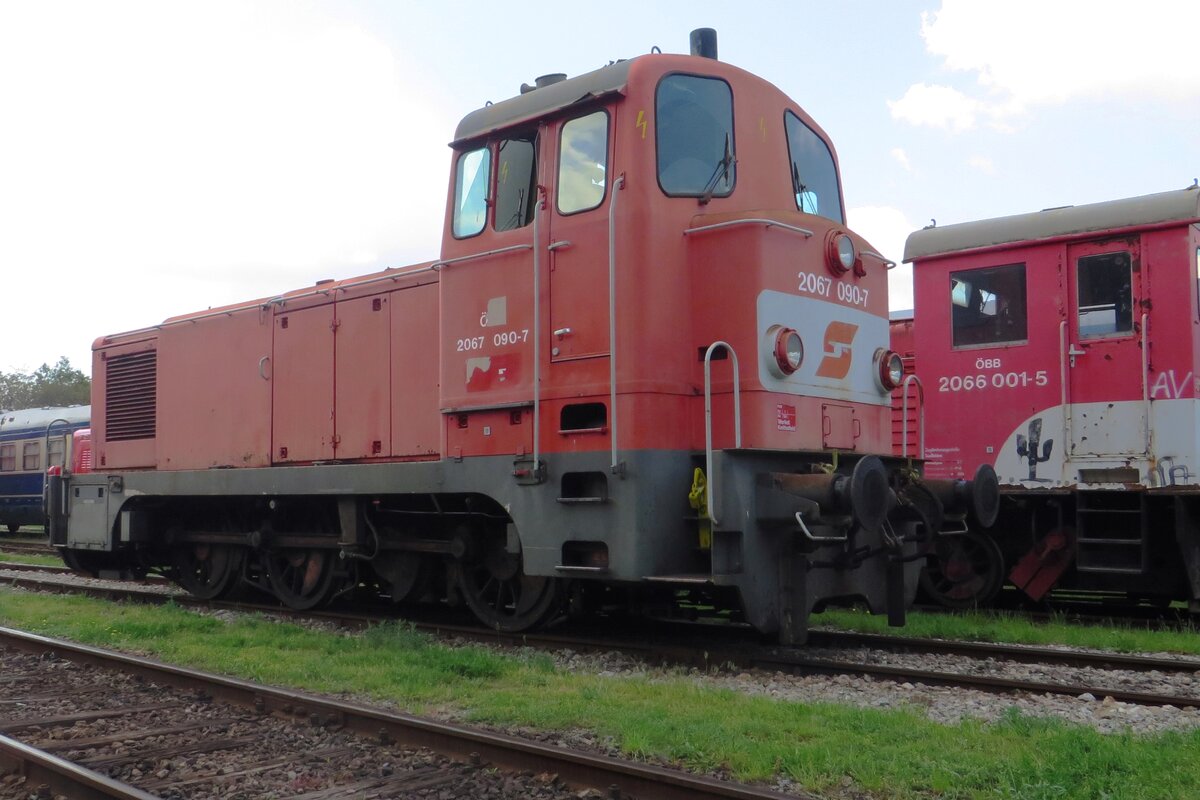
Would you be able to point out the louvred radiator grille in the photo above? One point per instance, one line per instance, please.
(130, 397)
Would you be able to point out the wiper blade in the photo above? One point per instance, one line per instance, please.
(719, 174)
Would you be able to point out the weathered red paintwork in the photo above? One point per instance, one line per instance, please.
(964, 424)
(346, 370)
(1107, 498)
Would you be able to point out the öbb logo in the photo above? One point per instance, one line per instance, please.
(839, 336)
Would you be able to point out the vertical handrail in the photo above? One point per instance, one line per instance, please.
(920, 417)
(537, 335)
(618, 184)
(46, 448)
(1146, 380)
(1068, 447)
(737, 418)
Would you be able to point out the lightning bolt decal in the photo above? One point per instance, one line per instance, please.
(641, 123)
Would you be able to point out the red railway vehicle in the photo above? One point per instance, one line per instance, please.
(650, 367)
(1062, 348)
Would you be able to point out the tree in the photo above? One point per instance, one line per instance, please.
(60, 385)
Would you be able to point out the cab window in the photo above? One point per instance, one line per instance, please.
(8, 458)
(1105, 295)
(694, 132)
(582, 163)
(470, 192)
(987, 306)
(516, 182)
(813, 172)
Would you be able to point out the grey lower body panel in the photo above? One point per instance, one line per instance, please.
(641, 518)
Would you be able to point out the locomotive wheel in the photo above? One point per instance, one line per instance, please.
(301, 579)
(407, 575)
(965, 571)
(502, 596)
(81, 561)
(208, 571)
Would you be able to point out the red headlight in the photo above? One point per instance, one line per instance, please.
(789, 350)
(891, 369)
(840, 254)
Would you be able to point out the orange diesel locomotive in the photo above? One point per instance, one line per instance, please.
(650, 367)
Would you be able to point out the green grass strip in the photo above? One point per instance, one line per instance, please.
(23, 558)
(676, 717)
(998, 626)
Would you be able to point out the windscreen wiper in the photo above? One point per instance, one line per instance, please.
(719, 174)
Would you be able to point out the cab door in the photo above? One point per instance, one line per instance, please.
(578, 228)
(1105, 366)
(487, 284)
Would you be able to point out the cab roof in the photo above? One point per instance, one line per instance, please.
(1181, 206)
(541, 101)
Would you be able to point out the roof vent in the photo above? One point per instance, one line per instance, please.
(704, 43)
(544, 81)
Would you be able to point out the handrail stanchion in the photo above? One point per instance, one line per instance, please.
(737, 417)
(920, 417)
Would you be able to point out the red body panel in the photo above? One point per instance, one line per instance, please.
(192, 398)
(353, 373)
(1058, 366)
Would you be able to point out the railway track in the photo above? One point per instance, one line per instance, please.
(706, 646)
(31, 547)
(203, 713)
(63, 778)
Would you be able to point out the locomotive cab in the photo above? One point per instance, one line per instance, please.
(1060, 347)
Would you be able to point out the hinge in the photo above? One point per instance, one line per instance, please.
(333, 326)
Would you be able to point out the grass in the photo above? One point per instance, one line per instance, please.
(673, 717)
(23, 558)
(998, 626)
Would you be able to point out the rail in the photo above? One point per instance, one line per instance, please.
(618, 184)
(46, 450)
(887, 262)
(770, 223)
(538, 202)
(63, 778)
(920, 416)
(1146, 381)
(737, 418)
(1063, 378)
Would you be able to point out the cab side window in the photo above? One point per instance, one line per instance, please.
(516, 182)
(987, 306)
(813, 171)
(470, 192)
(8, 458)
(694, 132)
(1105, 295)
(582, 163)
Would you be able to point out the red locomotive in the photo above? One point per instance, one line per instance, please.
(1062, 348)
(650, 367)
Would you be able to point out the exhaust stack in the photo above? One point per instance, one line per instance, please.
(704, 43)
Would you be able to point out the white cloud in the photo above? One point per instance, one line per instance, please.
(1048, 52)
(982, 164)
(158, 158)
(1028, 53)
(936, 106)
(887, 229)
(902, 158)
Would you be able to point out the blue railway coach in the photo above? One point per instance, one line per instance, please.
(31, 441)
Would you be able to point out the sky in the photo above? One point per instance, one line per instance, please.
(159, 158)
